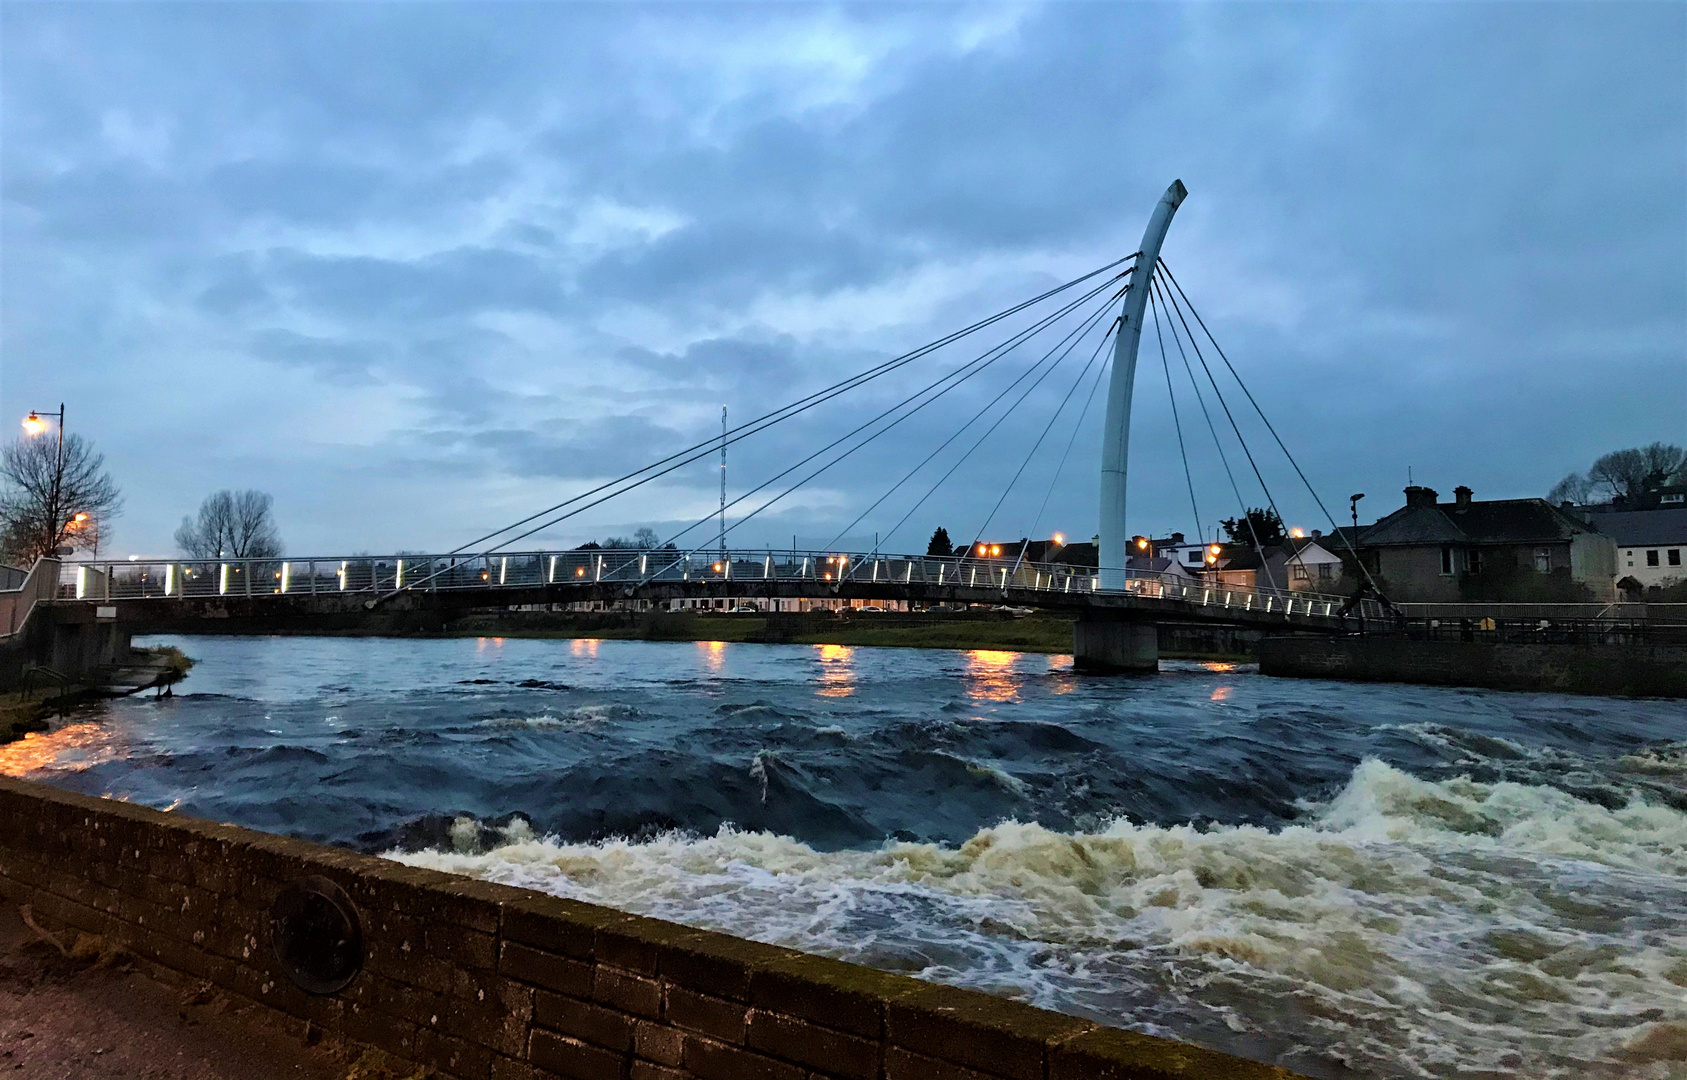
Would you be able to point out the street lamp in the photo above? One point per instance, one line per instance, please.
(34, 424)
(1353, 505)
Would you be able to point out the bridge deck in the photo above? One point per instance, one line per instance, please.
(146, 593)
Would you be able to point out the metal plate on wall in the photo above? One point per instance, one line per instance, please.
(317, 934)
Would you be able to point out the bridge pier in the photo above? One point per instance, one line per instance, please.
(1107, 644)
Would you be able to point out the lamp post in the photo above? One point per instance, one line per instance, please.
(33, 425)
(1353, 505)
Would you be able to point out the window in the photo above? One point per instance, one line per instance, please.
(1675, 556)
(1543, 561)
(1473, 561)
(1326, 571)
(1446, 559)
(1651, 558)
(1675, 498)
(1300, 573)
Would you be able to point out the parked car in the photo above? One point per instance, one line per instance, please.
(745, 609)
(870, 609)
(1016, 612)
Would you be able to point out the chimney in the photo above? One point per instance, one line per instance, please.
(1461, 497)
(1317, 534)
(1177, 538)
(1420, 496)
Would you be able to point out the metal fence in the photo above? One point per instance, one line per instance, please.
(381, 575)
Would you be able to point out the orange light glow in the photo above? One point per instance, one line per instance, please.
(1141, 542)
(995, 549)
(75, 747)
(984, 549)
(579, 571)
(1297, 533)
(717, 568)
(828, 575)
(837, 671)
(1214, 549)
(990, 675)
(1059, 539)
(34, 425)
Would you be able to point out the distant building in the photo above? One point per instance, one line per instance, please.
(1502, 549)
(1651, 546)
(1298, 564)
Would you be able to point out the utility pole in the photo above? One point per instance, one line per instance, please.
(723, 485)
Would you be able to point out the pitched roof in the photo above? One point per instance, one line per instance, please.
(1497, 521)
(1636, 528)
(1076, 555)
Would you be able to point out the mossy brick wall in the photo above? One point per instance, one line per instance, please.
(487, 982)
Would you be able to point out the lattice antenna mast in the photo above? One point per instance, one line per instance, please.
(723, 483)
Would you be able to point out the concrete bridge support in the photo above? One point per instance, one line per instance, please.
(1104, 645)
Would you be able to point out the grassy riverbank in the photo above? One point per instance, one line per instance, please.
(1037, 633)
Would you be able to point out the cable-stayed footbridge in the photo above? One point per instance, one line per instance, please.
(1095, 322)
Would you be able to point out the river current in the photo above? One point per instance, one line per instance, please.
(1348, 880)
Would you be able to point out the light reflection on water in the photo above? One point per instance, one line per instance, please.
(991, 675)
(713, 653)
(72, 748)
(837, 671)
(583, 647)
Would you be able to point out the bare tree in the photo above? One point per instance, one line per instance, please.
(56, 494)
(645, 537)
(1574, 488)
(1629, 473)
(231, 524)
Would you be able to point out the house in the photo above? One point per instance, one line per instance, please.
(1651, 545)
(1297, 564)
(1503, 549)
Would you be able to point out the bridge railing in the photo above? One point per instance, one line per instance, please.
(384, 574)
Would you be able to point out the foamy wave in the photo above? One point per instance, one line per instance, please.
(1408, 928)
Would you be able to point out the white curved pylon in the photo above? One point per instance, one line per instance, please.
(1116, 435)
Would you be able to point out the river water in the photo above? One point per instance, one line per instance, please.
(1345, 879)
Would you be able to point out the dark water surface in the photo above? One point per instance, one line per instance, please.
(1345, 879)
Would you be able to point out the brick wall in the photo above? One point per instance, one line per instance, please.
(486, 982)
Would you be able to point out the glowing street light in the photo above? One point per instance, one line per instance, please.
(33, 424)
(1059, 539)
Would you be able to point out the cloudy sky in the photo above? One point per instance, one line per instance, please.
(420, 269)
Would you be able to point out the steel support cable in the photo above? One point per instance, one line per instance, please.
(762, 486)
(1071, 440)
(911, 473)
(985, 358)
(1188, 476)
(1077, 382)
(1076, 426)
(903, 520)
(1083, 327)
(1212, 429)
(785, 412)
(981, 439)
(1273, 430)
